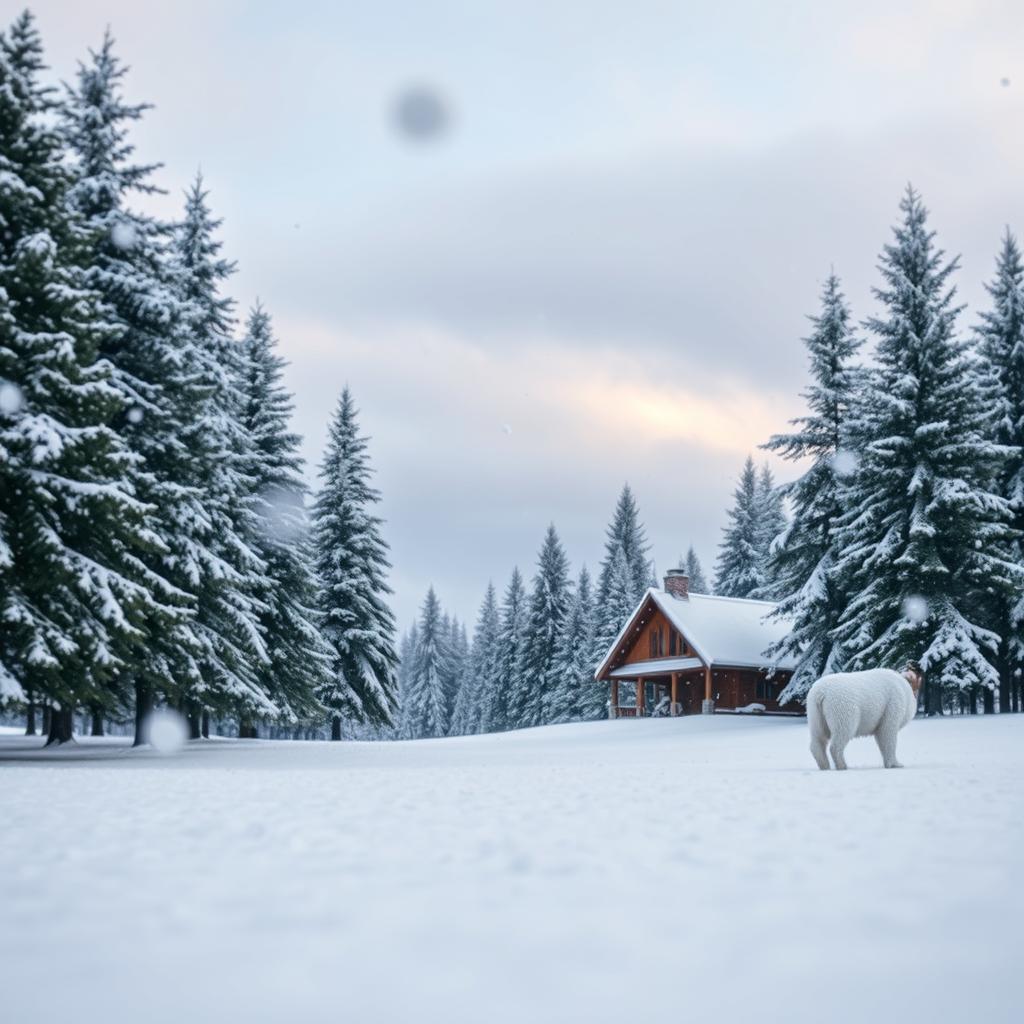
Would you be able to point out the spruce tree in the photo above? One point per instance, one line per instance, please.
(922, 532)
(76, 595)
(802, 562)
(299, 659)
(1001, 349)
(625, 536)
(771, 522)
(549, 604)
(154, 362)
(698, 582)
(461, 721)
(351, 563)
(481, 680)
(403, 727)
(227, 620)
(574, 694)
(510, 679)
(610, 617)
(739, 571)
(428, 699)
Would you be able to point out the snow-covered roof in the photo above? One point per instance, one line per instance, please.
(660, 666)
(726, 631)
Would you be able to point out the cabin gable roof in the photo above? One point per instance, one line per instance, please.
(723, 631)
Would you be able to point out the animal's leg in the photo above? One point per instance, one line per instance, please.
(840, 737)
(818, 752)
(885, 737)
(819, 734)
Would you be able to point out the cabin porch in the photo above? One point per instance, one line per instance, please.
(685, 691)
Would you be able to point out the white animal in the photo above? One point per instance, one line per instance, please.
(875, 703)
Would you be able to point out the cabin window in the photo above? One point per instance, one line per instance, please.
(653, 644)
(765, 689)
(661, 642)
(673, 639)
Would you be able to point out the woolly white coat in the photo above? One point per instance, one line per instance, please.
(875, 703)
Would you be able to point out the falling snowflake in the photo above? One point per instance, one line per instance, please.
(11, 398)
(166, 731)
(844, 463)
(123, 236)
(135, 414)
(915, 608)
(507, 428)
(421, 114)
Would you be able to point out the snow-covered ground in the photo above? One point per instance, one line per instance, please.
(656, 870)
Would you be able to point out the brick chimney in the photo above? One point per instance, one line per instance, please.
(677, 583)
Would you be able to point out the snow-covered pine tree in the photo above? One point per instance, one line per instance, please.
(352, 563)
(574, 694)
(299, 661)
(698, 582)
(428, 699)
(626, 536)
(403, 727)
(227, 620)
(739, 571)
(481, 679)
(802, 561)
(75, 593)
(153, 358)
(511, 656)
(609, 619)
(922, 532)
(1001, 349)
(549, 604)
(771, 522)
(461, 679)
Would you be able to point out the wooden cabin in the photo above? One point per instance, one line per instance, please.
(691, 653)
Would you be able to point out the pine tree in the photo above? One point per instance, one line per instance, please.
(428, 699)
(154, 362)
(739, 571)
(299, 659)
(574, 693)
(351, 563)
(802, 562)
(922, 532)
(510, 677)
(549, 604)
(75, 592)
(403, 728)
(481, 680)
(227, 620)
(609, 621)
(461, 723)
(698, 582)
(1001, 348)
(771, 522)
(625, 536)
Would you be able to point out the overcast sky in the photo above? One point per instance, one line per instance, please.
(600, 272)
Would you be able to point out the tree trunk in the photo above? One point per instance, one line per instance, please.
(974, 700)
(30, 717)
(97, 721)
(206, 724)
(61, 726)
(336, 728)
(143, 706)
(988, 700)
(195, 721)
(933, 697)
(47, 715)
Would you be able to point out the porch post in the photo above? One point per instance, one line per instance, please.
(707, 706)
(613, 711)
(674, 710)
(640, 697)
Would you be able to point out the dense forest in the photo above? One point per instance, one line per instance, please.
(159, 547)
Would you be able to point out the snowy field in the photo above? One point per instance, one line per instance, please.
(655, 870)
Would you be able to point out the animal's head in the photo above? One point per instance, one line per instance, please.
(913, 675)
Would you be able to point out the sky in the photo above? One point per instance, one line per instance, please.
(600, 271)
